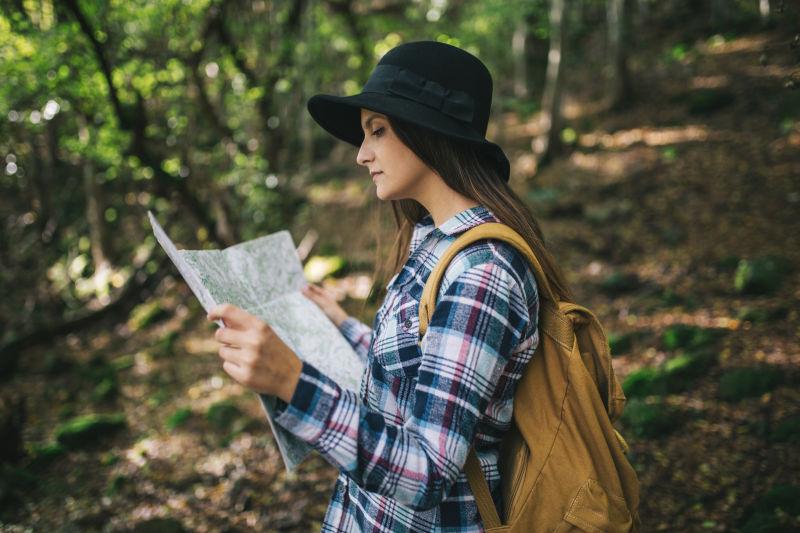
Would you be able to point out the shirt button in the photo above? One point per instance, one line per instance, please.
(407, 323)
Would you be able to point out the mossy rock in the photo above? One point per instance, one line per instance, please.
(620, 343)
(106, 390)
(706, 101)
(759, 315)
(223, 414)
(675, 375)
(774, 512)
(763, 275)
(178, 418)
(787, 430)
(688, 337)
(42, 455)
(650, 419)
(619, 283)
(88, 429)
(691, 365)
(123, 362)
(740, 383)
(147, 314)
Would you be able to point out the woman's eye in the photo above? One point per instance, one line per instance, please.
(378, 132)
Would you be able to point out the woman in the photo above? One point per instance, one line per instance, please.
(402, 442)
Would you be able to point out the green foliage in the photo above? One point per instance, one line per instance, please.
(178, 418)
(106, 390)
(165, 346)
(763, 275)
(674, 376)
(146, 314)
(740, 383)
(648, 419)
(88, 429)
(221, 415)
(43, 454)
(685, 336)
(620, 343)
(759, 315)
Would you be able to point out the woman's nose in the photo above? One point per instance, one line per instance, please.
(364, 155)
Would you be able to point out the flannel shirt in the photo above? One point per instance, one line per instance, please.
(401, 443)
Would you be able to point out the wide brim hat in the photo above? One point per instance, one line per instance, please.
(427, 83)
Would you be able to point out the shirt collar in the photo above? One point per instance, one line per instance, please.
(462, 221)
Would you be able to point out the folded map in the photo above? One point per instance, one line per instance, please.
(264, 276)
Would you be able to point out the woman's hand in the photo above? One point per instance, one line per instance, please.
(254, 355)
(325, 301)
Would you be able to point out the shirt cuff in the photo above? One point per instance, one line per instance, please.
(353, 330)
(308, 412)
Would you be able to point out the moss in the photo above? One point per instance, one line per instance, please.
(689, 337)
(620, 343)
(106, 390)
(774, 511)
(146, 314)
(741, 383)
(222, 415)
(88, 429)
(675, 375)
(787, 430)
(178, 418)
(650, 419)
(763, 275)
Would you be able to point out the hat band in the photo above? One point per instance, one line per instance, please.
(410, 85)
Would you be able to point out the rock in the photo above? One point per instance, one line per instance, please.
(88, 429)
(740, 383)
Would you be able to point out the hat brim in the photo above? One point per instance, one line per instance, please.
(341, 117)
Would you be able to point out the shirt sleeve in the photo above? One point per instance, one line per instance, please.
(474, 329)
(358, 334)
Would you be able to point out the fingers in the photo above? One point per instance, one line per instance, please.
(230, 336)
(233, 316)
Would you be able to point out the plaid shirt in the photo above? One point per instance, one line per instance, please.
(401, 443)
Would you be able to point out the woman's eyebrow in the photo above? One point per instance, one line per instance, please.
(369, 121)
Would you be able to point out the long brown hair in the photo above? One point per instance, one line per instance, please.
(473, 175)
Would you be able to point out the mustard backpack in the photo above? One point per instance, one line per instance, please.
(563, 465)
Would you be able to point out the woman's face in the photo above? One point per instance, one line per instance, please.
(397, 171)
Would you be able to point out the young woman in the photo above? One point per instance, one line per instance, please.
(401, 443)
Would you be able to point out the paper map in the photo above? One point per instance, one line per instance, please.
(264, 276)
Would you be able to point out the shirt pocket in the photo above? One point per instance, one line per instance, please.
(398, 351)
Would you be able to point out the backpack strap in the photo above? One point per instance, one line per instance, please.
(487, 230)
(480, 489)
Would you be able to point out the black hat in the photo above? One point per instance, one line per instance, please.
(428, 83)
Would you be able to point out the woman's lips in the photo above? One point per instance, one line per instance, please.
(376, 175)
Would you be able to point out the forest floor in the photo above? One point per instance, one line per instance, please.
(653, 213)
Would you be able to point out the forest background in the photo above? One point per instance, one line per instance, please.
(657, 142)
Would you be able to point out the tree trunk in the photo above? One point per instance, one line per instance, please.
(98, 236)
(550, 142)
(518, 50)
(618, 35)
(764, 11)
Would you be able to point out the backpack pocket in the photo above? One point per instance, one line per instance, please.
(595, 510)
